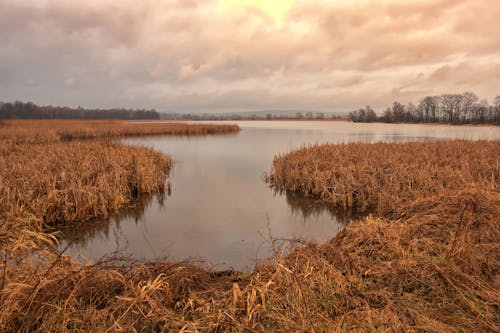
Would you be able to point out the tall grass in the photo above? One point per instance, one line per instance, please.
(61, 183)
(51, 172)
(428, 262)
(433, 267)
(66, 182)
(46, 131)
(380, 177)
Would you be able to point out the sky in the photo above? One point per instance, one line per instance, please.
(246, 55)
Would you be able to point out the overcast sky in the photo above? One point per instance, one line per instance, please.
(239, 55)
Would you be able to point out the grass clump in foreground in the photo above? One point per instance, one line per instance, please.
(430, 263)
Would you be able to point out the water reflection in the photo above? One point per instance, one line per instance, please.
(309, 208)
(221, 210)
(82, 234)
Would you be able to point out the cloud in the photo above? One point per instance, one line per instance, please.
(189, 55)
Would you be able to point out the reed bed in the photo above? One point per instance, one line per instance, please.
(381, 177)
(430, 262)
(434, 268)
(62, 183)
(78, 180)
(47, 131)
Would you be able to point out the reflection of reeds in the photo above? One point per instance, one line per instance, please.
(43, 131)
(81, 233)
(432, 267)
(382, 176)
(309, 207)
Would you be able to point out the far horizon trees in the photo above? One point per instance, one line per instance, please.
(450, 108)
(365, 115)
(29, 110)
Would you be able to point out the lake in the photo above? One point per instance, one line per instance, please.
(221, 211)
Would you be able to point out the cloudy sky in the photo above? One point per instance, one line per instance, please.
(239, 55)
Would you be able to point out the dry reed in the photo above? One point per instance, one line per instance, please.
(430, 263)
(433, 268)
(46, 131)
(66, 182)
(380, 177)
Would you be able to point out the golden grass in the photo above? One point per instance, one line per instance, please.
(434, 268)
(66, 182)
(45, 131)
(382, 176)
(48, 176)
(429, 263)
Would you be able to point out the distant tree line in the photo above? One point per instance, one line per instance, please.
(29, 110)
(463, 108)
(250, 116)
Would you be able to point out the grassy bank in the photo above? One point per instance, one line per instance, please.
(381, 177)
(46, 131)
(428, 262)
(64, 171)
(66, 182)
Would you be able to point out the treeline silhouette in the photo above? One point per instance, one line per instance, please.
(259, 115)
(29, 110)
(465, 108)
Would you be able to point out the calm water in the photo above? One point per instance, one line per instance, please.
(221, 211)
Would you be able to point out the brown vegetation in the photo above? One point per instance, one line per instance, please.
(47, 177)
(66, 182)
(45, 131)
(381, 177)
(433, 268)
(430, 262)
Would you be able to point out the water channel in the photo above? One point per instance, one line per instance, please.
(220, 210)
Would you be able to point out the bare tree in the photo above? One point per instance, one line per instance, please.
(429, 106)
(496, 117)
(479, 111)
(413, 113)
(371, 116)
(469, 99)
(398, 111)
(388, 117)
(451, 106)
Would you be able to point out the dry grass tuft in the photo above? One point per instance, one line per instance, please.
(433, 267)
(66, 182)
(381, 177)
